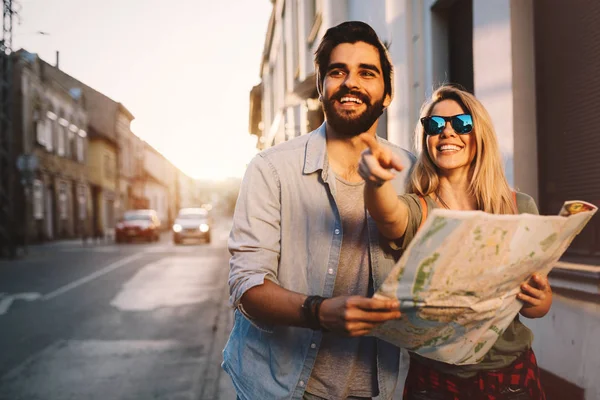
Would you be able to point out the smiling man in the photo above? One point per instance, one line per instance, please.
(306, 257)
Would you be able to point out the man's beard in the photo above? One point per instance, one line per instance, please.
(350, 124)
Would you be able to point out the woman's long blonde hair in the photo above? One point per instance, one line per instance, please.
(488, 182)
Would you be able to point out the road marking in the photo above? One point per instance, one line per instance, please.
(91, 277)
(6, 299)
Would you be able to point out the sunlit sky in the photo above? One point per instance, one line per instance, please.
(184, 68)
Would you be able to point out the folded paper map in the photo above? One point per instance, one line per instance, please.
(458, 279)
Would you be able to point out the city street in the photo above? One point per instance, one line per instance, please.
(107, 321)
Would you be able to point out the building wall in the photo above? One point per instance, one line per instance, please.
(566, 341)
(51, 125)
(158, 197)
(155, 165)
(288, 63)
(102, 164)
(187, 191)
(128, 162)
(423, 50)
(160, 172)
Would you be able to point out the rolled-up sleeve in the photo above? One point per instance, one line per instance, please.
(254, 241)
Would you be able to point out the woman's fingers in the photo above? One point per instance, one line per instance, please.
(534, 301)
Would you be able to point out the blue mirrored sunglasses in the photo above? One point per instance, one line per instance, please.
(434, 124)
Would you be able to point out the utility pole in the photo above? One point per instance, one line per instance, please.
(7, 159)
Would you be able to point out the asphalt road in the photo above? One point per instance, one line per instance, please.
(106, 321)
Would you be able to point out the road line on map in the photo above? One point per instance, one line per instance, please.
(82, 281)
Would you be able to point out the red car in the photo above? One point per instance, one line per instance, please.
(138, 224)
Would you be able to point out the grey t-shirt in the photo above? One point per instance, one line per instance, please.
(346, 367)
(516, 339)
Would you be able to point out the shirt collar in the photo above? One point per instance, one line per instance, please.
(315, 157)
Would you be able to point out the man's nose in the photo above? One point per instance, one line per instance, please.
(351, 81)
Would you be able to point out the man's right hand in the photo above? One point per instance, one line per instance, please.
(356, 315)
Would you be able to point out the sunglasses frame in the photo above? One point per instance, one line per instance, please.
(450, 119)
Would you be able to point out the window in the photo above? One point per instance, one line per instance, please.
(81, 201)
(61, 136)
(38, 199)
(40, 131)
(60, 140)
(295, 40)
(71, 145)
(38, 126)
(314, 20)
(63, 201)
(50, 135)
(80, 148)
(45, 131)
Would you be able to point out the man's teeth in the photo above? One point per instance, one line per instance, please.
(354, 99)
(449, 147)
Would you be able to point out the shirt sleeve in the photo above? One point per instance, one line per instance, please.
(526, 204)
(254, 241)
(412, 225)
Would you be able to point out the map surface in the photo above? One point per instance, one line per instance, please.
(458, 279)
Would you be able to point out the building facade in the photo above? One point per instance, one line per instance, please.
(534, 66)
(130, 164)
(103, 159)
(158, 184)
(50, 128)
(187, 191)
(104, 181)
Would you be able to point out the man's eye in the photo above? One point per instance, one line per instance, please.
(368, 74)
(335, 73)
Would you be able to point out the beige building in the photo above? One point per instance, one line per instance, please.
(130, 164)
(161, 185)
(50, 128)
(188, 196)
(104, 153)
(534, 65)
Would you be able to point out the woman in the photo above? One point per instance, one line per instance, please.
(459, 168)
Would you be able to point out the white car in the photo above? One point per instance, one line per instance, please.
(191, 223)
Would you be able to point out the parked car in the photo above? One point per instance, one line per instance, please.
(143, 224)
(192, 223)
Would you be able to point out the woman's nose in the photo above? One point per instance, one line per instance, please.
(448, 130)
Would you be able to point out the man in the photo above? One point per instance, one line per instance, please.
(305, 256)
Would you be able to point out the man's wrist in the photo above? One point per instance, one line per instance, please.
(311, 309)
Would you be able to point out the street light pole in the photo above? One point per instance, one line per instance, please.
(7, 228)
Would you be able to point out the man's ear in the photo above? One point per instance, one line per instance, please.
(387, 100)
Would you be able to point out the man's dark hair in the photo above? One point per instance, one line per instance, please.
(351, 32)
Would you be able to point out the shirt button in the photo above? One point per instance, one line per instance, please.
(313, 346)
(330, 270)
(337, 231)
(302, 383)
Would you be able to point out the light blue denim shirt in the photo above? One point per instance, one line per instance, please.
(287, 229)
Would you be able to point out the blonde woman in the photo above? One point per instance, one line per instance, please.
(459, 168)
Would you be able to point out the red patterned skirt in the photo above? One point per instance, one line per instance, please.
(519, 381)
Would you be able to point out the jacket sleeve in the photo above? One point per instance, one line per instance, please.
(254, 241)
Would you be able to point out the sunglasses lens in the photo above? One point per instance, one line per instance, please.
(462, 124)
(433, 125)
